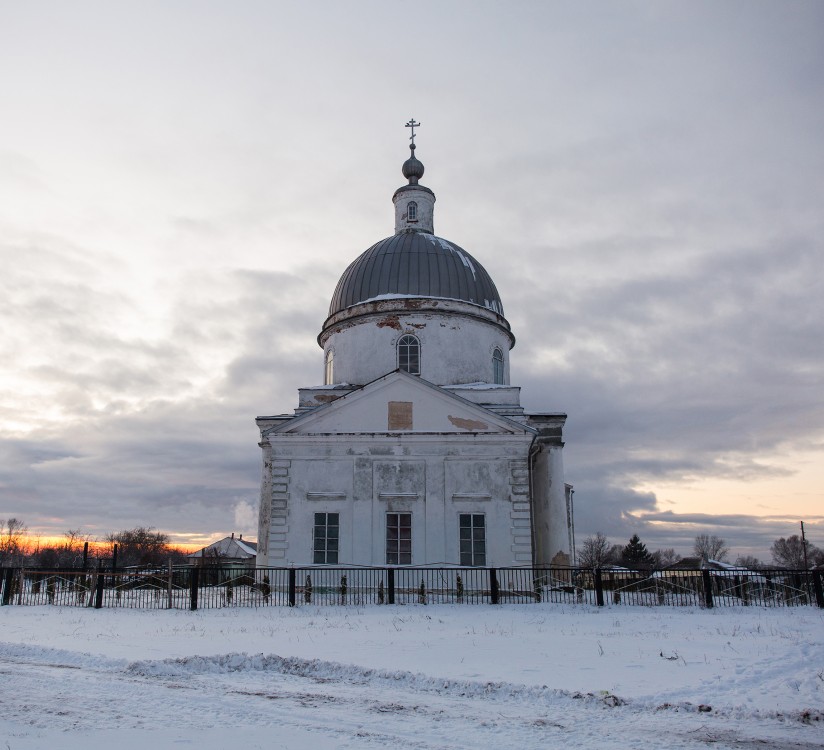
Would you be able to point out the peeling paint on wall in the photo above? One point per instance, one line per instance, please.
(325, 399)
(390, 321)
(468, 424)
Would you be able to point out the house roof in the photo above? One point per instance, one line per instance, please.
(228, 547)
(696, 563)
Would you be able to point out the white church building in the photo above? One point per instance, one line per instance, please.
(415, 450)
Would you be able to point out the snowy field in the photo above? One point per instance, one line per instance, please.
(513, 676)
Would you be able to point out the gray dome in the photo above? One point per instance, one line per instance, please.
(419, 265)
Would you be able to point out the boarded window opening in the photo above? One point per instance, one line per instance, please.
(400, 415)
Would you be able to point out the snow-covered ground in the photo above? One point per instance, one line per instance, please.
(519, 676)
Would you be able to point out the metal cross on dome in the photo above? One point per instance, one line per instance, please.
(412, 124)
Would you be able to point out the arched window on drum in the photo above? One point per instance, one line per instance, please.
(329, 372)
(409, 355)
(498, 367)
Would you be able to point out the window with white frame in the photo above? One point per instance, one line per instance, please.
(398, 538)
(472, 538)
(498, 367)
(326, 538)
(409, 355)
(411, 211)
(329, 374)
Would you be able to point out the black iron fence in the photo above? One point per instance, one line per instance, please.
(210, 587)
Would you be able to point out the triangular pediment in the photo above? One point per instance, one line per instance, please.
(402, 403)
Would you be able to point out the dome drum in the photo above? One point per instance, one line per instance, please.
(452, 346)
(392, 312)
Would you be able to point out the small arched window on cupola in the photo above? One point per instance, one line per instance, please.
(498, 367)
(329, 372)
(409, 355)
(412, 211)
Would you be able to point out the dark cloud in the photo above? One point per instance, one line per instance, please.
(123, 453)
(643, 184)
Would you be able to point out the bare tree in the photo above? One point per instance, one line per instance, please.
(710, 547)
(71, 550)
(12, 541)
(748, 561)
(789, 553)
(142, 546)
(663, 558)
(594, 551)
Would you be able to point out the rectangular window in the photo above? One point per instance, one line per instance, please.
(409, 355)
(327, 534)
(398, 538)
(472, 539)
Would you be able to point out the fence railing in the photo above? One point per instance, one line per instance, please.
(210, 587)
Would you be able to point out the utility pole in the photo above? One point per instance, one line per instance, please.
(804, 547)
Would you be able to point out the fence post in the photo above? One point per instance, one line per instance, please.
(493, 586)
(599, 588)
(171, 572)
(292, 586)
(193, 582)
(705, 576)
(817, 587)
(8, 586)
(98, 597)
(390, 577)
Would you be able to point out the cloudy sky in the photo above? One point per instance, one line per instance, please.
(182, 183)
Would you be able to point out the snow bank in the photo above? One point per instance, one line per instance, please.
(524, 671)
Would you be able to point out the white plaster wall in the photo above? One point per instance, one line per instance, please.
(426, 209)
(320, 485)
(435, 479)
(551, 532)
(509, 395)
(479, 485)
(432, 410)
(455, 348)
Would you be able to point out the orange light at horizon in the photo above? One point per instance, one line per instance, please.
(31, 544)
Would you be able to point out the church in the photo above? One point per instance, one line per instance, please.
(415, 450)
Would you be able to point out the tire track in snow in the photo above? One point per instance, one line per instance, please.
(343, 701)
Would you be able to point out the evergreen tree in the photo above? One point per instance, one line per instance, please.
(635, 554)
